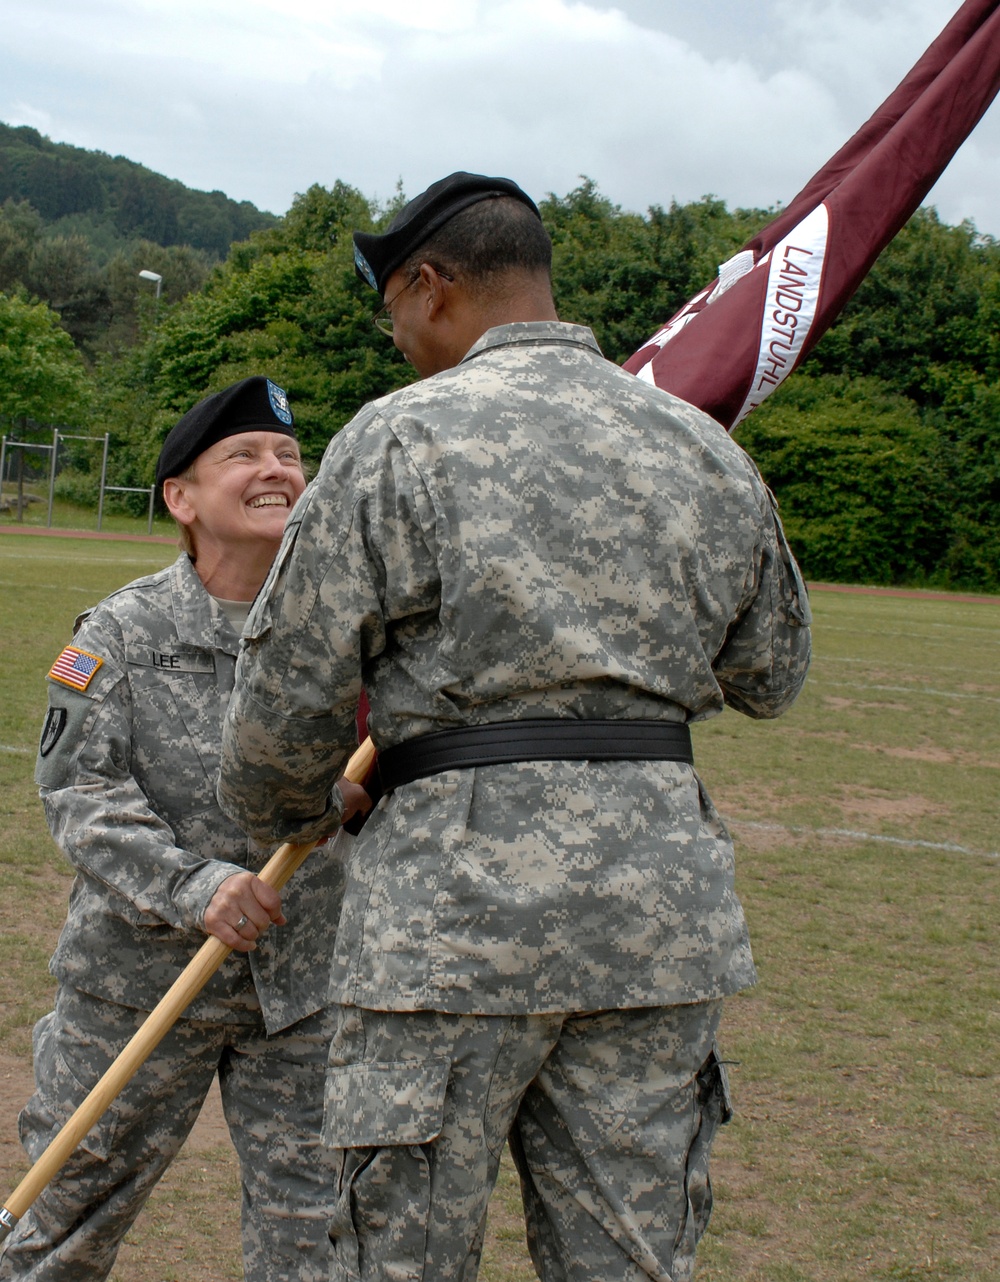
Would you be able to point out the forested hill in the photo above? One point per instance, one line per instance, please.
(113, 199)
(77, 227)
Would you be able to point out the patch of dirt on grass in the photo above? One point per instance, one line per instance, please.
(838, 704)
(932, 754)
(871, 806)
(756, 802)
(938, 755)
(761, 840)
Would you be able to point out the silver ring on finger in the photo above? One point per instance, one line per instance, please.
(242, 922)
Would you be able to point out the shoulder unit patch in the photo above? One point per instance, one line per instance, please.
(55, 724)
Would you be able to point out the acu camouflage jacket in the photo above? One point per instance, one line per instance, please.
(127, 768)
(533, 533)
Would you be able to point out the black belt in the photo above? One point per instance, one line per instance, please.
(534, 739)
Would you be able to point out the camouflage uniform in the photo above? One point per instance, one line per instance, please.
(127, 771)
(532, 533)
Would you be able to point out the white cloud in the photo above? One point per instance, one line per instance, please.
(653, 99)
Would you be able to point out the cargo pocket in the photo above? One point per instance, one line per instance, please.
(380, 1116)
(714, 1108)
(58, 1095)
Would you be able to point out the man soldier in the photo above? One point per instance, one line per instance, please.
(127, 767)
(542, 569)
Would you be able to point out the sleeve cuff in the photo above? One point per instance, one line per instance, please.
(194, 895)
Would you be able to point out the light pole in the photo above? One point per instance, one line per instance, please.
(153, 276)
(148, 275)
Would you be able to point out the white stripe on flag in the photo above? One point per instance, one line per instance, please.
(790, 304)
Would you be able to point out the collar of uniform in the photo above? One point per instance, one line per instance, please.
(534, 333)
(198, 620)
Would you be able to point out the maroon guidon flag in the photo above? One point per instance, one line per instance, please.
(736, 340)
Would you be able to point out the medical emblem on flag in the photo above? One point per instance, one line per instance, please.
(75, 668)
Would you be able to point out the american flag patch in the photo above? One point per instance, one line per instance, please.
(75, 668)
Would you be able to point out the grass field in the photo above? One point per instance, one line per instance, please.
(867, 825)
(68, 517)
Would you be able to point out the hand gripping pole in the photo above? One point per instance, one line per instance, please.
(155, 1027)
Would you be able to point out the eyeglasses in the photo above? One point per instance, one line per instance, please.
(382, 320)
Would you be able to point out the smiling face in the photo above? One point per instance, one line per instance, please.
(236, 496)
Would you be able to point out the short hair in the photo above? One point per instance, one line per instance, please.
(484, 241)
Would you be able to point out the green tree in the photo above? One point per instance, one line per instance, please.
(21, 229)
(101, 306)
(42, 376)
(858, 476)
(623, 274)
(132, 306)
(967, 423)
(287, 303)
(930, 299)
(62, 272)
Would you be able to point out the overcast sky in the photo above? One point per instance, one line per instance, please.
(653, 99)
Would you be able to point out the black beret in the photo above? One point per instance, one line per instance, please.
(252, 405)
(377, 257)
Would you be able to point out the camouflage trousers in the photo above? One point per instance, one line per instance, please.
(610, 1118)
(272, 1093)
